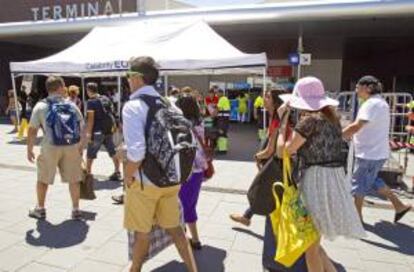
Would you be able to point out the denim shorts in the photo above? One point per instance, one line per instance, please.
(365, 178)
(98, 140)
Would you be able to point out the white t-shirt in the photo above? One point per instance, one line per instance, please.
(372, 141)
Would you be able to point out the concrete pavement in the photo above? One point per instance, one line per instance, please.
(99, 242)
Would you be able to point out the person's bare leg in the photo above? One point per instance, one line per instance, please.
(140, 250)
(117, 164)
(314, 261)
(412, 184)
(74, 189)
(194, 232)
(327, 263)
(14, 122)
(359, 203)
(183, 247)
(41, 189)
(89, 163)
(396, 202)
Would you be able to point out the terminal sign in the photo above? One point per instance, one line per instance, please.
(73, 11)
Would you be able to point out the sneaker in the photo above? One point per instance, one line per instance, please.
(240, 219)
(118, 199)
(76, 214)
(38, 213)
(116, 176)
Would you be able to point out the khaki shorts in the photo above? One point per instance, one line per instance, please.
(149, 206)
(66, 158)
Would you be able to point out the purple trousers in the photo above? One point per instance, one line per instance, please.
(189, 196)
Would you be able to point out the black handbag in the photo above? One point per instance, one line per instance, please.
(260, 193)
(87, 190)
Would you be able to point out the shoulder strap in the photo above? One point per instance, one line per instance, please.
(205, 148)
(151, 102)
(102, 99)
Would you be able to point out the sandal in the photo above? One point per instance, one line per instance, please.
(195, 245)
(401, 214)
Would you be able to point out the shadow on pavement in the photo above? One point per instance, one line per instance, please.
(248, 232)
(66, 234)
(208, 259)
(106, 185)
(24, 141)
(399, 234)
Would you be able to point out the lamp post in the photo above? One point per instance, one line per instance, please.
(300, 50)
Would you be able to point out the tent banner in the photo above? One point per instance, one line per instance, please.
(107, 66)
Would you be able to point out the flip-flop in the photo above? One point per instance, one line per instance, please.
(400, 215)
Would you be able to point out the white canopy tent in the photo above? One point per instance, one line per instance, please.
(178, 48)
(175, 46)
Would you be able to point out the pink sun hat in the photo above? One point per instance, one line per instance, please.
(309, 94)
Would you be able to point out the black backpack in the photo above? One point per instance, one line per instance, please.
(170, 143)
(108, 121)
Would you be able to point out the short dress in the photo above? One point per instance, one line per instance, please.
(324, 188)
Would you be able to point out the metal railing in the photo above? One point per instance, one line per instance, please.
(348, 104)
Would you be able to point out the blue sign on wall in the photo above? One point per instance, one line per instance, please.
(241, 85)
(294, 59)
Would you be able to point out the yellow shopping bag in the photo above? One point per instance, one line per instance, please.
(291, 222)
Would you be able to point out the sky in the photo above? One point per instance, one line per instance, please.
(207, 3)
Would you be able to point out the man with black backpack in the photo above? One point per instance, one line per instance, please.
(101, 125)
(62, 124)
(160, 154)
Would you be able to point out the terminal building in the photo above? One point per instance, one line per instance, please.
(345, 38)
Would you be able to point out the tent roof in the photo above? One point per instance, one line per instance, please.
(177, 47)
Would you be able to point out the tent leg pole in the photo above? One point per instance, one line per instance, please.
(119, 96)
(165, 85)
(83, 95)
(264, 93)
(16, 102)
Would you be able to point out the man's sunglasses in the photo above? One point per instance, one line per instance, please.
(131, 74)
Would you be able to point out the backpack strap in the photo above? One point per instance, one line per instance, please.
(104, 99)
(153, 107)
(204, 147)
(151, 102)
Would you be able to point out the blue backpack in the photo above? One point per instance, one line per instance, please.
(63, 121)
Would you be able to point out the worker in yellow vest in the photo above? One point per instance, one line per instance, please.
(258, 116)
(223, 118)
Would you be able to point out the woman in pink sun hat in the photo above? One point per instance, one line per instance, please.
(317, 142)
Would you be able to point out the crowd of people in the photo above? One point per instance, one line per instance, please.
(168, 142)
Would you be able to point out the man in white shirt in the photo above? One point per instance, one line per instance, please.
(370, 133)
(145, 203)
